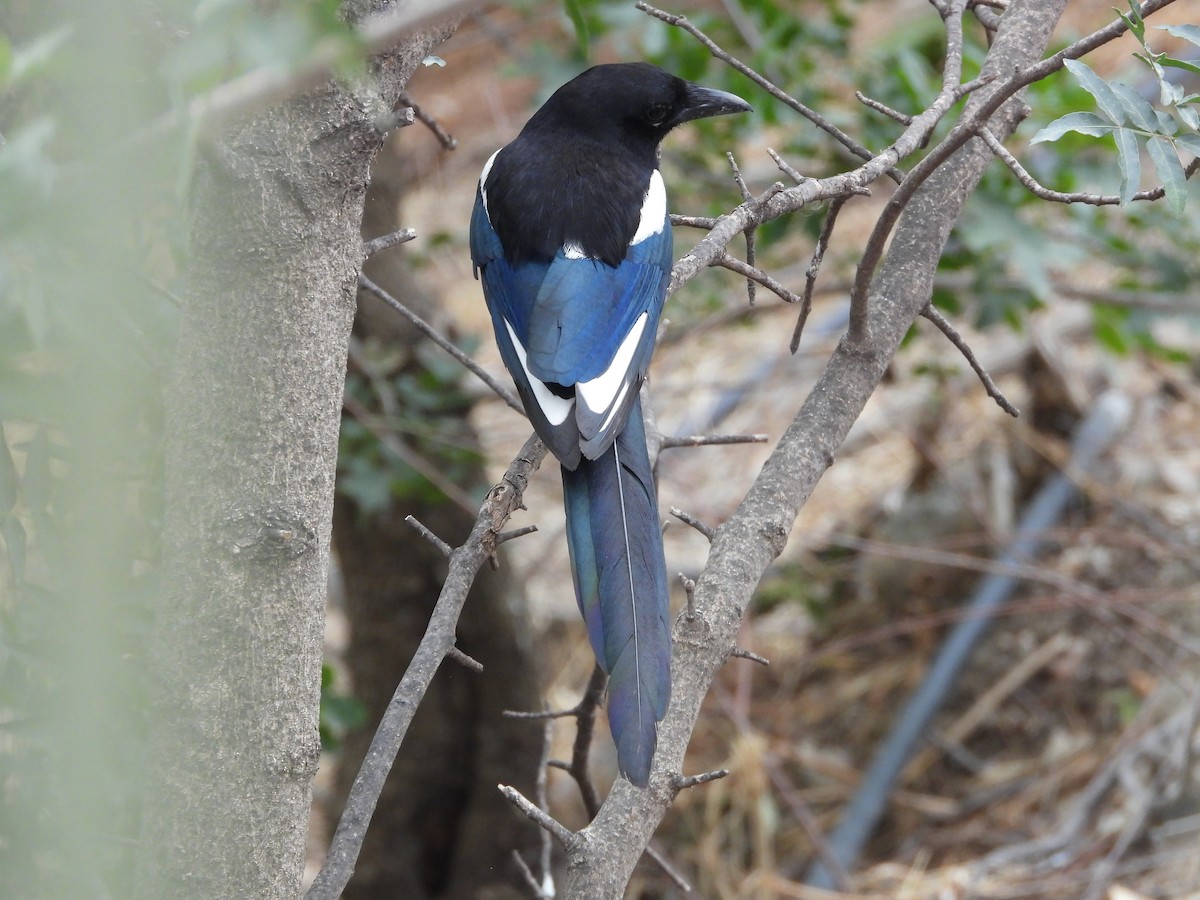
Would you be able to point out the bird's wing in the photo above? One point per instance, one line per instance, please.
(576, 322)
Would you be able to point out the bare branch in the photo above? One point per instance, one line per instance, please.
(751, 285)
(565, 836)
(741, 653)
(812, 115)
(705, 222)
(435, 645)
(386, 241)
(434, 335)
(931, 313)
(515, 533)
(682, 782)
(688, 519)
(445, 549)
(754, 274)
(464, 660)
(670, 442)
(1032, 185)
(689, 590)
(976, 114)
(866, 101)
(409, 456)
(447, 141)
(785, 167)
(814, 268)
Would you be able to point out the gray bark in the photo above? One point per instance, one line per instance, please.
(252, 433)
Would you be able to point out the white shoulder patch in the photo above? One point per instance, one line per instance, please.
(554, 408)
(654, 209)
(573, 251)
(487, 168)
(609, 387)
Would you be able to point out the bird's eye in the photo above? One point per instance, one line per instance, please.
(657, 114)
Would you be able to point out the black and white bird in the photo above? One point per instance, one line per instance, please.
(571, 239)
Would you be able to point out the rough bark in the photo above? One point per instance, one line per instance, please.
(254, 407)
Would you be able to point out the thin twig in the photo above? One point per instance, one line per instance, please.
(564, 835)
(444, 138)
(386, 241)
(785, 167)
(688, 519)
(585, 726)
(445, 549)
(931, 313)
(409, 456)
(689, 590)
(1032, 185)
(902, 118)
(742, 653)
(812, 115)
(463, 660)
(754, 275)
(515, 533)
(670, 442)
(814, 268)
(751, 282)
(683, 782)
(704, 222)
(434, 335)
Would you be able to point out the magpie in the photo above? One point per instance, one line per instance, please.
(571, 239)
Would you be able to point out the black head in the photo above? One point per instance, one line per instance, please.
(636, 103)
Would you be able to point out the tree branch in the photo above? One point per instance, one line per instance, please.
(1032, 185)
(436, 336)
(436, 645)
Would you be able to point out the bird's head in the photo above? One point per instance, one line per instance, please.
(636, 103)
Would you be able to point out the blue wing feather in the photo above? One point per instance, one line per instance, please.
(571, 315)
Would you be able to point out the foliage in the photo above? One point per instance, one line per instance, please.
(92, 241)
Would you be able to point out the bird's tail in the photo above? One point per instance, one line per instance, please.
(615, 540)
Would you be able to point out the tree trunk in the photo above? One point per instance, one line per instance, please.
(252, 436)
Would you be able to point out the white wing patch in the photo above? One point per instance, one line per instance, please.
(554, 408)
(654, 209)
(487, 168)
(572, 250)
(609, 387)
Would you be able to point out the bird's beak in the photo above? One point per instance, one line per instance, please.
(703, 102)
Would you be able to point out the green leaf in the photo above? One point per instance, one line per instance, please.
(1135, 22)
(579, 21)
(1179, 64)
(1130, 160)
(1166, 124)
(1170, 172)
(1140, 112)
(16, 543)
(1190, 33)
(6, 59)
(1191, 118)
(1099, 89)
(9, 480)
(34, 56)
(1082, 122)
(1189, 142)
